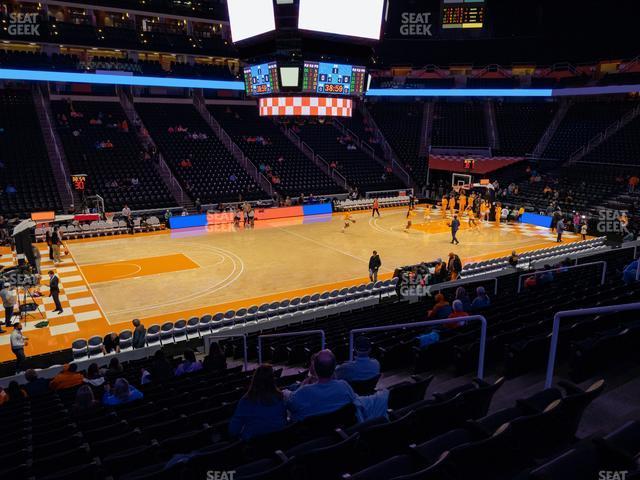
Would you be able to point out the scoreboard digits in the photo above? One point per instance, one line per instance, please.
(463, 14)
(261, 79)
(333, 78)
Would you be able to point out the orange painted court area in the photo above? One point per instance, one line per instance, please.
(140, 267)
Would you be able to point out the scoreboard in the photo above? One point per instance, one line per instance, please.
(333, 78)
(261, 79)
(463, 14)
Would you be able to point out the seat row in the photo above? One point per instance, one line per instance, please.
(267, 315)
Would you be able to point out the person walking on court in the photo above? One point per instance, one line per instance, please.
(455, 226)
(560, 229)
(56, 243)
(374, 265)
(54, 291)
(376, 207)
(18, 342)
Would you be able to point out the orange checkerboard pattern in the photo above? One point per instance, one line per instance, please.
(307, 106)
(79, 305)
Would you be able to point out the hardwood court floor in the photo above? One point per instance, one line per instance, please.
(173, 275)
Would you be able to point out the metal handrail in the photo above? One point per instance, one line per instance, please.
(470, 318)
(290, 334)
(577, 313)
(207, 344)
(438, 287)
(602, 278)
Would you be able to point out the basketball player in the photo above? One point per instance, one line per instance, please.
(462, 202)
(410, 215)
(376, 208)
(445, 204)
(347, 221)
(472, 217)
(452, 205)
(498, 213)
(427, 212)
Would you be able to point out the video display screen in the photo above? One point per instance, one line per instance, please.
(353, 18)
(248, 18)
(333, 78)
(261, 79)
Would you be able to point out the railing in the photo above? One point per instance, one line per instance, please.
(551, 129)
(604, 135)
(53, 138)
(438, 287)
(470, 318)
(208, 340)
(232, 147)
(332, 172)
(390, 156)
(602, 278)
(163, 169)
(290, 334)
(577, 313)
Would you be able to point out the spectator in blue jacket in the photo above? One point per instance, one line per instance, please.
(122, 393)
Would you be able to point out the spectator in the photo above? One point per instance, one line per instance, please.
(139, 334)
(85, 400)
(440, 310)
(262, 409)
(215, 361)
(111, 343)
(363, 367)
(326, 396)
(161, 369)
(629, 272)
(481, 301)
(513, 259)
(122, 393)
(461, 294)
(93, 377)
(458, 311)
(35, 386)
(114, 371)
(189, 365)
(15, 392)
(454, 266)
(67, 378)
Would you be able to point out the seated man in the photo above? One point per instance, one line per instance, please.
(629, 273)
(363, 367)
(326, 396)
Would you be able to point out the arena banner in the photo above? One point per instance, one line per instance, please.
(225, 218)
(188, 221)
(305, 106)
(535, 219)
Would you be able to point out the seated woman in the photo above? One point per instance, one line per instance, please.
(189, 365)
(262, 409)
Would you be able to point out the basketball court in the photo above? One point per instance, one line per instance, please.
(165, 276)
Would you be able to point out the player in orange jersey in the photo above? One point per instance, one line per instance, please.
(347, 221)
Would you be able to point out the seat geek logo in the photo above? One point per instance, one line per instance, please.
(23, 24)
(416, 24)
